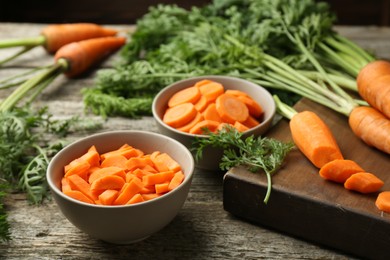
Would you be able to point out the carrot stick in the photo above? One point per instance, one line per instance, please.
(78, 183)
(80, 56)
(102, 172)
(164, 162)
(157, 178)
(383, 201)
(371, 126)
(339, 170)
(109, 182)
(107, 197)
(128, 191)
(231, 109)
(65, 186)
(77, 195)
(176, 180)
(138, 162)
(162, 187)
(363, 182)
(137, 198)
(117, 160)
(180, 115)
(187, 95)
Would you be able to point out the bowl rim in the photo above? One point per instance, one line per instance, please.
(215, 77)
(75, 143)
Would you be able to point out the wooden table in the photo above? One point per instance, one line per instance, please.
(202, 229)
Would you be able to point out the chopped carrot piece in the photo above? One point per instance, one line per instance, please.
(164, 162)
(149, 168)
(211, 90)
(156, 178)
(112, 170)
(240, 127)
(186, 128)
(109, 182)
(138, 162)
(237, 93)
(231, 109)
(149, 196)
(128, 191)
(339, 170)
(201, 104)
(117, 160)
(148, 189)
(202, 82)
(162, 187)
(176, 180)
(137, 198)
(107, 197)
(78, 183)
(363, 182)
(383, 201)
(78, 195)
(180, 115)
(81, 169)
(65, 186)
(211, 113)
(187, 95)
(199, 128)
(127, 152)
(254, 108)
(251, 122)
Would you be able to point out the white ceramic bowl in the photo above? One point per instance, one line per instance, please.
(130, 223)
(212, 156)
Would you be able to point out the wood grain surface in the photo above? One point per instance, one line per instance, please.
(202, 229)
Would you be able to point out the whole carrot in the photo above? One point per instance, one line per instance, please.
(72, 59)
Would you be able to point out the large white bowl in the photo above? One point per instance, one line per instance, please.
(212, 156)
(130, 223)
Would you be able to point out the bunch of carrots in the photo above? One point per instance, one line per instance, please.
(122, 176)
(316, 141)
(207, 105)
(77, 48)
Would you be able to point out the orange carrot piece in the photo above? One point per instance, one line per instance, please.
(148, 189)
(211, 113)
(231, 109)
(211, 90)
(251, 122)
(91, 156)
(58, 35)
(254, 108)
(81, 168)
(223, 125)
(65, 186)
(128, 191)
(314, 138)
(202, 82)
(212, 126)
(371, 71)
(339, 170)
(78, 183)
(78, 195)
(149, 168)
(240, 127)
(116, 160)
(201, 104)
(137, 198)
(111, 170)
(186, 128)
(176, 180)
(156, 178)
(371, 126)
(187, 95)
(150, 196)
(363, 182)
(109, 182)
(164, 162)
(383, 201)
(107, 197)
(82, 55)
(236, 93)
(180, 115)
(127, 152)
(377, 94)
(138, 162)
(162, 187)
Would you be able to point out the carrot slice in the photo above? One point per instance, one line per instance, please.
(127, 152)
(164, 162)
(176, 180)
(162, 187)
(109, 182)
(138, 162)
(363, 182)
(231, 109)
(187, 95)
(254, 108)
(186, 128)
(117, 160)
(107, 197)
(211, 113)
(112, 170)
(179, 115)
(81, 168)
(128, 191)
(240, 127)
(236, 93)
(78, 183)
(150, 196)
(156, 178)
(251, 122)
(211, 90)
(201, 104)
(202, 82)
(212, 126)
(339, 170)
(137, 198)
(91, 156)
(383, 201)
(65, 184)
(78, 195)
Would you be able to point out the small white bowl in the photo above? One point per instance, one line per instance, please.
(212, 156)
(130, 223)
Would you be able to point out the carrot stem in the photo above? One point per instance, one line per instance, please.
(31, 42)
(17, 54)
(341, 80)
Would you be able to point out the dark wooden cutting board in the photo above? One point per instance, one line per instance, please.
(304, 205)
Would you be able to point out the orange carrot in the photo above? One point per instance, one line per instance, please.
(65, 186)
(117, 160)
(150, 196)
(314, 138)
(339, 170)
(363, 182)
(377, 93)
(199, 128)
(251, 122)
(80, 56)
(211, 90)
(107, 197)
(164, 162)
(128, 191)
(176, 180)
(78, 183)
(77, 195)
(58, 35)
(370, 72)
(240, 127)
(109, 182)
(254, 108)
(187, 95)
(201, 104)
(102, 172)
(137, 198)
(371, 126)
(236, 93)
(231, 109)
(162, 187)
(186, 128)
(383, 201)
(127, 152)
(180, 115)
(80, 168)
(138, 162)
(157, 178)
(211, 113)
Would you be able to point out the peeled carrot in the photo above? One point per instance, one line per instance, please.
(314, 138)
(117, 160)
(371, 126)
(240, 127)
(211, 113)
(231, 109)
(210, 90)
(128, 191)
(108, 196)
(363, 182)
(78, 183)
(136, 199)
(200, 127)
(157, 178)
(180, 115)
(109, 182)
(138, 162)
(164, 162)
(370, 72)
(201, 104)
(339, 170)
(187, 95)
(383, 201)
(80, 168)
(162, 187)
(110, 170)
(176, 180)
(254, 108)
(77, 195)
(186, 128)
(80, 56)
